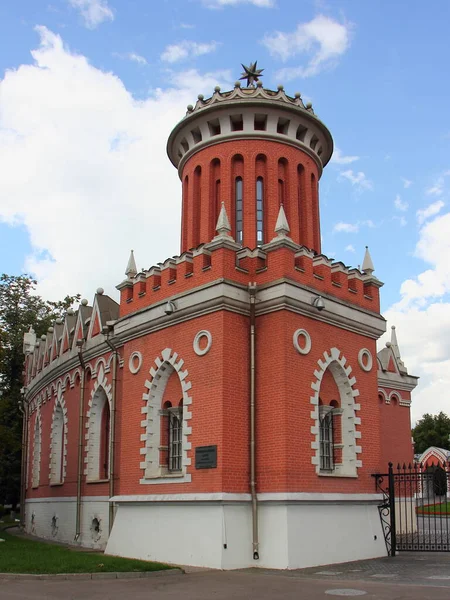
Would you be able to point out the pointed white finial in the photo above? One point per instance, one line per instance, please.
(394, 341)
(131, 270)
(282, 228)
(367, 265)
(223, 226)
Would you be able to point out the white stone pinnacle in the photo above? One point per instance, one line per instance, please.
(367, 265)
(131, 270)
(223, 226)
(282, 228)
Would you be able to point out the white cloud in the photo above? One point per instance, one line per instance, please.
(433, 247)
(437, 189)
(223, 3)
(137, 58)
(424, 340)
(84, 168)
(358, 180)
(132, 56)
(350, 248)
(186, 49)
(93, 12)
(406, 182)
(422, 319)
(430, 211)
(400, 204)
(340, 159)
(401, 220)
(322, 41)
(342, 227)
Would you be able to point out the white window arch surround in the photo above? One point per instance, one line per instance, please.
(164, 366)
(37, 448)
(100, 395)
(58, 441)
(346, 384)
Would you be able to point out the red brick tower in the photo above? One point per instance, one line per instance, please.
(237, 383)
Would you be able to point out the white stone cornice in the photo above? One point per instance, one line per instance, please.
(292, 296)
(397, 382)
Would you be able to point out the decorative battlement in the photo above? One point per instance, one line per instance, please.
(249, 93)
(280, 259)
(249, 113)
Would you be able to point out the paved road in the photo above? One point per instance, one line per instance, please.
(407, 577)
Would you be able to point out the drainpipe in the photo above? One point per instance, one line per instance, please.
(112, 440)
(255, 541)
(80, 439)
(23, 407)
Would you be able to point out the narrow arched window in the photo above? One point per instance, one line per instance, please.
(175, 437)
(259, 211)
(326, 440)
(281, 197)
(239, 211)
(104, 441)
(57, 454)
(36, 452)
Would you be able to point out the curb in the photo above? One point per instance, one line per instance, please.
(93, 576)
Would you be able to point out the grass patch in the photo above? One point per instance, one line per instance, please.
(20, 555)
(434, 509)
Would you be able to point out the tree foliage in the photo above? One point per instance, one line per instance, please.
(20, 309)
(431, 430)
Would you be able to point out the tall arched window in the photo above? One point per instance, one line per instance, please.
(104, 442)
(239, 207)
(36, 452)
(57, 455)
(99, 434)
(259, 211)
(281, 197)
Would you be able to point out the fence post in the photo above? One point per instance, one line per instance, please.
(392, 510)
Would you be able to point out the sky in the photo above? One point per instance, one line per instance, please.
(90, 90)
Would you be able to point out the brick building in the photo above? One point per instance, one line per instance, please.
(231, 409)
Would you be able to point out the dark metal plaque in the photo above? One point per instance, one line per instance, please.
(206, 457)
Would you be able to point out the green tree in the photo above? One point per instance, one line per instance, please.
(20, 309)
(431, 430)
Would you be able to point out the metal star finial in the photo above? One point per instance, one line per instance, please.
(251, 74)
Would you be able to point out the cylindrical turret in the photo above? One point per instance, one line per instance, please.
(253, 149)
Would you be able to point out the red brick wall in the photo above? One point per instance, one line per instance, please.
(244, 158)
(395, 421)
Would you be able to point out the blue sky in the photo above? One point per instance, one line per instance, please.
(89, 90)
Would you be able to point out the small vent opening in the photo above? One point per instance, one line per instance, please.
(260, 122)
(197, 135)
(313, 142)
(184, 144)
(283, 125)
(237, 123)
(301, 132)
(214, 127)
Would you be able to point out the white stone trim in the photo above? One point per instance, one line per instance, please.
(307, 338)
(365, 353)
(196, 344)
(381, 392)
(54, 451)
(166, 364)
(306, 497)
(131, 366)
(93, 424)
(37, 450)
(342, 374)
(67, 499)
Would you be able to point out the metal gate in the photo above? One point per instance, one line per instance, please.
(415, 512)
